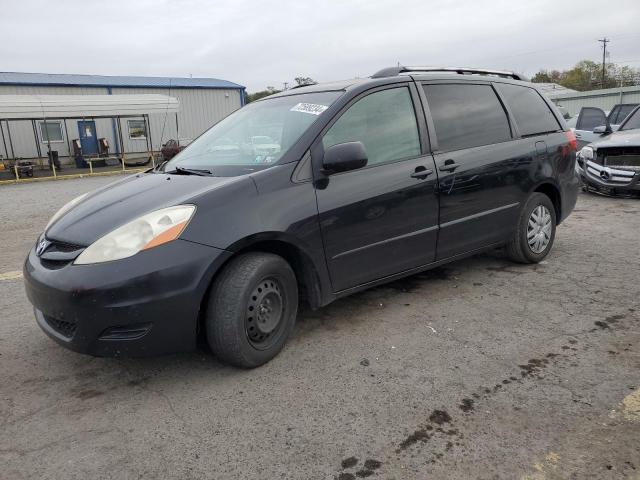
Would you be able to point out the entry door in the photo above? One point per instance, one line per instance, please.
(381, 219)
(480, 169)
(88, 140)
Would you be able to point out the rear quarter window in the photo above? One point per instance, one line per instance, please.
(531, 113)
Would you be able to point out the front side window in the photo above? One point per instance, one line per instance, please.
(254, 137)
(51, 132)
(531, 112)
(384, 121)
(137, 129)
(590, 118)
(466, 116)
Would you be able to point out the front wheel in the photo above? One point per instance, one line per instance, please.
(251, 310)
(536, 230)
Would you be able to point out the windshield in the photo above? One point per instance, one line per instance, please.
(633, 121)
(254, 137)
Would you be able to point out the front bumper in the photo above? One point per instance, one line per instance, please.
(144, 305)
(608, 180)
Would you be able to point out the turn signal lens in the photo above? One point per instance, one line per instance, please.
(148, 231)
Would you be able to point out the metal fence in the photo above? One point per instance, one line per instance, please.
(604, 99)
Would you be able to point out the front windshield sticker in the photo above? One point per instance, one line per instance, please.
(312, 108)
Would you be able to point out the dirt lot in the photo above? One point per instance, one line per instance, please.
(482, 369)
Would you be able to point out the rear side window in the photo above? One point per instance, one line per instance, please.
(531, 112)
(466, 116)
(384, 121)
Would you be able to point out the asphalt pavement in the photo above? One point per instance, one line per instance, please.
(480, 369)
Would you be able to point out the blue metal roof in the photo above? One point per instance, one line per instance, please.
(59, 79)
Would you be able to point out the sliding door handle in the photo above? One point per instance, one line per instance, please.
(448, 166)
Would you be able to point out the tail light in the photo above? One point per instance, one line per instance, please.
(573, 143)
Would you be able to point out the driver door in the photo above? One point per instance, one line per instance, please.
(588, 119)
(381, 219)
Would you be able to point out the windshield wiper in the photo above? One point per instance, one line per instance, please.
(190, 171)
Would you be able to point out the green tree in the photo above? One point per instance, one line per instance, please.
(587, 75)
(304, 81)
(252, 97)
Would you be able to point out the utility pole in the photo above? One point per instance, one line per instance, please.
(285, 85)
(604, 42)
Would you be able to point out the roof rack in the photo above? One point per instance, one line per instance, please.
(395, 71)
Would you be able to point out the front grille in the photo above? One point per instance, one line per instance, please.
(66, 329)
(58, 254)
(625, 157)
(611, 175)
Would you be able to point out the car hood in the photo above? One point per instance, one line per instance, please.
(118, 203)
(624, 138)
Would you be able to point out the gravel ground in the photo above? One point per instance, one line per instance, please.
(481, 369)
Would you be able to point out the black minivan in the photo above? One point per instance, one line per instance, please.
(313, 193)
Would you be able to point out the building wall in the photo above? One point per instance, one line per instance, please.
(604, 99)
(199, 109)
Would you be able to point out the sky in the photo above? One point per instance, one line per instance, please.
(265, 43)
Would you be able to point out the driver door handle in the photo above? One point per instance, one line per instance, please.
(421, 173)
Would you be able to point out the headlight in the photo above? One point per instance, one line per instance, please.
(587, 153)
(147, 231)
(65, 208)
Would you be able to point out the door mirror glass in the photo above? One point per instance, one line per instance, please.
(344, 157)
(602, 129)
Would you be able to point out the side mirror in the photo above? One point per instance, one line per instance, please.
(603, 129)
(344, 157)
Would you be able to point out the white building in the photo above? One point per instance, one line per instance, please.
(202, 102)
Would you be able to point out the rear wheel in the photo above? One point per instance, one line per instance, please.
(534, 236)
(251, 310)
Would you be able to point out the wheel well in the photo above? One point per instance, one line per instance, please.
(308, 282)
(554, 195)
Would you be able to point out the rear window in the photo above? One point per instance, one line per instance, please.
(466, 116)
(531, 112)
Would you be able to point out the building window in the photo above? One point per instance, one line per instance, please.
(51, 132)
(137, 129)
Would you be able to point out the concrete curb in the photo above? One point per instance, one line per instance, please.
(70, 177)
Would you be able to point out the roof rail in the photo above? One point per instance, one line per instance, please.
(395, 71)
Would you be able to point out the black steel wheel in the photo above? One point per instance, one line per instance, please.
(251, 310)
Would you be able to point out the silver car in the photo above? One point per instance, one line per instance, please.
(611, 165)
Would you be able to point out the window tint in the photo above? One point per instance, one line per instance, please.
(384, 122)
(466, 116)
(633, 121)
(590, 118)
(619, 113)
(531, 112)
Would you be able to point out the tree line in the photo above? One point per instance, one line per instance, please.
(587, 75)
(299, 82)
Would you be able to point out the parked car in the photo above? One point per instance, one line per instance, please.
(611, 165)
(373, 179)
(590, 118)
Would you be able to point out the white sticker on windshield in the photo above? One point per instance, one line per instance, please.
(311, 108)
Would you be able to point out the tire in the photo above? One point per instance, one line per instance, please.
(519, 248)
(256, 295)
